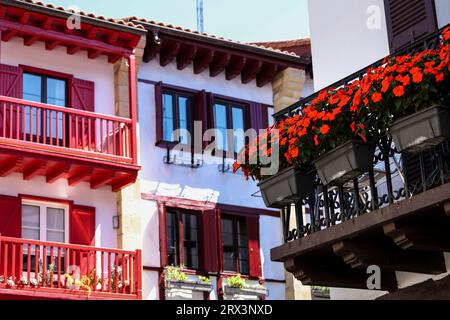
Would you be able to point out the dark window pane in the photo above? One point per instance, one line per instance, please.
(190, 241)
(243, 246)
(220, 118)
(168, 117)
(172, 238)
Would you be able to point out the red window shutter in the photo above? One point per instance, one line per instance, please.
(10, 86)
(82, 97)
(210, 244)
(82, 225)
(210, 110)
(265, 115)
(159, 112)
(10, 81)
(10, 217)
(253, 246)
(256, 120)
(10, 226)
(201, 112)
(408, 20)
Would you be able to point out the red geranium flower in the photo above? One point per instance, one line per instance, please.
(377, 97)
(399, 91)
(325, 129)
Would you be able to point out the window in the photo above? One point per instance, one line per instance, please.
(176, 115)
(270, 119)
(182, 238)
(235, 245)
(229, 116)
(44, 222)
(49, 90)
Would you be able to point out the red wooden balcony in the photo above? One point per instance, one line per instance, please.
(44, 270)
(57, 142)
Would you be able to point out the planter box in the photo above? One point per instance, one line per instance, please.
(422, 130)
(188, 285)
(246, 291)
(345, 163)
(286, 187)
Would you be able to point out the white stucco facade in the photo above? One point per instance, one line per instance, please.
(206, 183)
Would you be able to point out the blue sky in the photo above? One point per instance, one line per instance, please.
(243, 20)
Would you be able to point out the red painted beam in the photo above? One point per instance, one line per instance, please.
(2, 12)
(8, 35)
(219, 64)
(33, 169)
(28, 41)
(113, 58)
(25, 18)
(132, 76)
(93, 54)
(69, 40)
(51, 45)
(113, 38)
(103, 180)
(57, 172)
(73, 49)
(123, 183)
(203, 60)
(47, 24)
(168, 53)
(79, 176)
(8, 166)
(250, 71)
(235, 67)
(92, 33)
(186, 56)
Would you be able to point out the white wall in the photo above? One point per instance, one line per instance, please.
(205, 183)
(102, 199)
(340, 39)
(79, 65)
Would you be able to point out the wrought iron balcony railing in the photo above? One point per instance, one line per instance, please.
(394, 176)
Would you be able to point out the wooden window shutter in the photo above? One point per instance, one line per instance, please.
(82, 97)
(265, 115)
(82, 232)
(210, 244)
(159, 112)
(163, 234)
(256, 116)
(210, 110)
(10, 81)
(10, 226)
(201, 111)
(408, 20)
(253, 246)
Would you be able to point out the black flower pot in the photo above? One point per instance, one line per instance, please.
(422, 130)
(286, 187)
(345, 162)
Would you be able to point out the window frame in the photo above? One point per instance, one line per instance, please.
(43, 219)
(235, 221)
(180, 241)
(229, 105)
(176, 93)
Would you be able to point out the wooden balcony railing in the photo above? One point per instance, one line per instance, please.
(69, 269)
(65, 130)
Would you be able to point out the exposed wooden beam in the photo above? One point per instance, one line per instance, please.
(250, 71)
(358, 254)
(47, 24)
(203, 60)
(329, 272)
(92, 33)
(51, 45)
(133, 42)
(8, 35)
(113, 58)
(79, 176)
(112, 38)
(103, 180)
(219, 63)
(168, 53)
(57, 172)
(25, 18)
(186, 56)
(33, 169)
(28, 41)
(93, 54)
(73, 49)
(2, 12)
(119, 185)
(235, 67)
(424, 236)
(266, 75)
(152, 48)
(8, 166)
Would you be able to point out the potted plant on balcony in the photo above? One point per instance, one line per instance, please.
(420, 98)
(176, 278)
(236, 285)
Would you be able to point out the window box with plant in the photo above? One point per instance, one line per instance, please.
(176, 278)
(338, 131)
(238, 286)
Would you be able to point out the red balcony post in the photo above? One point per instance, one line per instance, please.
(139, 274)
(133, 104)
